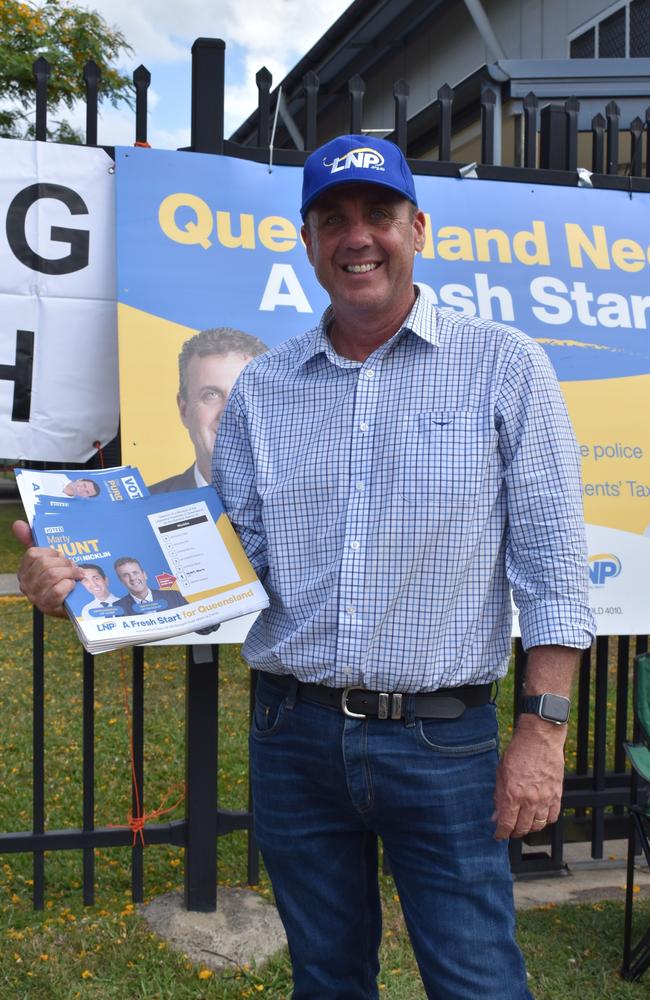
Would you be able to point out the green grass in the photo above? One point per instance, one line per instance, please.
(11, 551)
(105, 951)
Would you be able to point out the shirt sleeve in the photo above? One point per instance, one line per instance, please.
(546, 547)
(233, 476)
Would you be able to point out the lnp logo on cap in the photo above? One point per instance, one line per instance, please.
(363, 157)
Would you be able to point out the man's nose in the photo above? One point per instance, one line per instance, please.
(358, 234)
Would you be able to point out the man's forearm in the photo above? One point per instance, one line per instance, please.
(551, 668)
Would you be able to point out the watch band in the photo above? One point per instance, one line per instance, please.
(550, 707)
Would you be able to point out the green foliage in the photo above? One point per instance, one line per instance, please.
(11, 551)
(67, 36)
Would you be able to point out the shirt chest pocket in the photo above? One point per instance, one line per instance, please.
(442, 458)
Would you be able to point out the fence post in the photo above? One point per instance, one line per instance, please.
(208, 57)
(552, 144)
(530, 130)
(202, 705)
(597, 144)
(141, 81)
(88, 774)
(636, 146)
(92, 76)
(41, 70)
(612, 113)
(38, 753)
(572, 107)
(137, 788)
(263, 79)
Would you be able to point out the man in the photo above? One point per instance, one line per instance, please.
(390, 472)
(140, 596)
(95, 581)
(208, 365)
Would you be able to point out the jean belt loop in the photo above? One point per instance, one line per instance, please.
(292, 694)
(409, 710)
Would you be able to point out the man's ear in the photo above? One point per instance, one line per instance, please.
(182, 408)
(305, 233)
(419, 225)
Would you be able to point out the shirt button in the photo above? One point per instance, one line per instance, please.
(355, 545)
(361, 487)
(370, 373)
(350, 609)
(363, 426)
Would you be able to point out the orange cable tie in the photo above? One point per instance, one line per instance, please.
(136, 822)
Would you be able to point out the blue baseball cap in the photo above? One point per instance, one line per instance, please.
(357, 158)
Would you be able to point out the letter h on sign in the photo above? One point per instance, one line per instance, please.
(21, 375)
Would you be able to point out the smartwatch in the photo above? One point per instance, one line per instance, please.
(550, 707)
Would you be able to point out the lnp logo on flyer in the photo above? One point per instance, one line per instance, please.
(603, 567)
(362, 157)
(165, 580)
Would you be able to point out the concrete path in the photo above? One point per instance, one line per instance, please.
(8, 585)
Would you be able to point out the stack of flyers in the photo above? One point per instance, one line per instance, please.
(154, 568)
(67, 485)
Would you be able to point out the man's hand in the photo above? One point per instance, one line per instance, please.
(45, 576)
(529, 779)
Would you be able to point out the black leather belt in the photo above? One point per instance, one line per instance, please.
(360, 703)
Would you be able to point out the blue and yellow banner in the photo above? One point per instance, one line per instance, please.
(210, 242)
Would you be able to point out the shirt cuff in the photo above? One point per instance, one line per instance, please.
(558, 624)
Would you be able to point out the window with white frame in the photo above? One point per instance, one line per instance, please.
(621, 31)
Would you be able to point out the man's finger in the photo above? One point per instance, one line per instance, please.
(23, 533)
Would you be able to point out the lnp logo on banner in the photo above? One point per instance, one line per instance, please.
(363, 157)
(603, 567)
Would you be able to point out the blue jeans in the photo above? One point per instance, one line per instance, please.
(325, 787)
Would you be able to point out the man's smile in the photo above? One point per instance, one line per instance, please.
(359, 268)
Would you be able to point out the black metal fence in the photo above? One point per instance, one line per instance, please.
(597, 786)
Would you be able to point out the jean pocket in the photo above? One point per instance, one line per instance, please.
(431, 736)
(268, 714)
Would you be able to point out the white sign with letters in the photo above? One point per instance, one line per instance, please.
(58, 328)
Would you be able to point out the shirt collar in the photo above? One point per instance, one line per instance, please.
(421, 321)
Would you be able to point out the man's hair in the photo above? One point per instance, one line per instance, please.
(125, 559)
(92, 482)
(94, 566)
(219, 340)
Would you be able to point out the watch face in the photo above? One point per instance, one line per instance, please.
(554, 708)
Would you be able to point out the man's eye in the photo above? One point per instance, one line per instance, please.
(210, 395)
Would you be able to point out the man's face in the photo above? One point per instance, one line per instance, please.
(133, 577)
(209, 380)
(95, 584)
(361, 240)
(81, 488)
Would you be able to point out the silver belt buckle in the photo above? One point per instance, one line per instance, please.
(344, 702)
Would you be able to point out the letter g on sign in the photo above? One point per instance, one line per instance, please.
(77, 239)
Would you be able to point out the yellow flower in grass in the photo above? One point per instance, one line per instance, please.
(205, 974)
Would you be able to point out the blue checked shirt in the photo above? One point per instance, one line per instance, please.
(387, 506)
